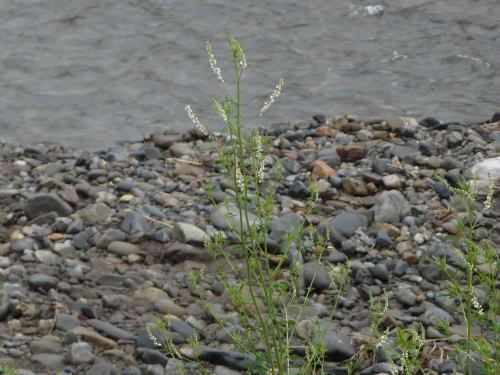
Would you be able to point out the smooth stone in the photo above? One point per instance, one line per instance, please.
(49, 361)
(488, 168)
(380, 271)
(150, 294)
(322, 169)
(154, 212)
(167, 306)
(337, 346)
(126, 185)
(405, 296)
(109, 236)
(46, 345)
(134, 222)
(46, 256)
(279, 227)
(390, 207)
(227, 217)
(123, 248)
(111, 279)
(393, 181)
(151, 356)
(66, 322)
(103, 368)
(75, 227)
(40, 204)
(22, 244)
(110, 330)
(184, 329)
(189, 233)
(229, 358)
(292, 166)
(355, 187)
(42, 282)
(95, 213)
(400, 268)
(433, 315)
(143, 339)
(81, 240)
(383, 240)
(180, 148)
(80, 352)
(344, 224)
(316, 276)
(112, 301)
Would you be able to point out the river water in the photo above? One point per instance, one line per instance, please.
(90, 72)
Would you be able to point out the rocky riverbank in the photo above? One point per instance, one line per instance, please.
(94, 245)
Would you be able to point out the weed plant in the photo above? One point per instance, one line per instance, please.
(473, 283)
(267, 289)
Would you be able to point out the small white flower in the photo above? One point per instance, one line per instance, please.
(489, 195)
(260, 158)
(239, 178)
(220, 110)
(477, 305)
(213, 62)
(272, 98)
(195, 121)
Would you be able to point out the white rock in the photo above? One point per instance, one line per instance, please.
(488, 167)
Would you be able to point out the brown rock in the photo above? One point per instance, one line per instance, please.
(165, 140)
(322, 170)
(351, 152)
(188, 169)
(95, 338)
(69, 194)
(355, 187)
(325, 131)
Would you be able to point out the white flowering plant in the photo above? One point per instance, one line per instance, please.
(477, 272)
(263, 286)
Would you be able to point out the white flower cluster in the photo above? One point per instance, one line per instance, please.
(213, 62)
(260, 158)
(272, 98)
(220, 110)
(195, 121)
(477, 305)
(239, 178)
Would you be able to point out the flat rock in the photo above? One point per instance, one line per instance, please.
(94, 337)
(189, 233)
(123, 248)
(95, 213)
(40, 204)
(110, 330)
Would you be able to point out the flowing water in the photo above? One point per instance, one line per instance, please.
(90, 72)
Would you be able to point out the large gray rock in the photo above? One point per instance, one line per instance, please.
(228, 217)
(189, 233)
(342, 226)
(316, 276)
(40, 204)
(391, 206)
(338, 347)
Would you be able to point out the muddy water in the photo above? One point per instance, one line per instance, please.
(88, 73)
